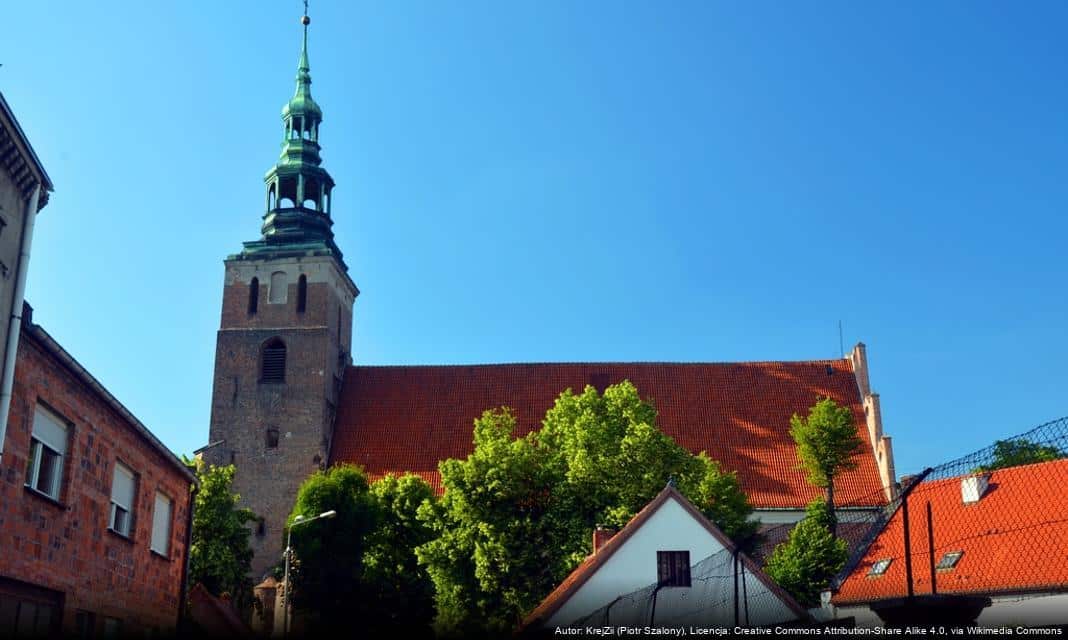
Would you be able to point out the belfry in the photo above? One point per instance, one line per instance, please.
(285, 333)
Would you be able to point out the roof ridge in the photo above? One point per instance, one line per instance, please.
(599, 363)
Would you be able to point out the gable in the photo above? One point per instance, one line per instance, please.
(619, 583)
(407, 419)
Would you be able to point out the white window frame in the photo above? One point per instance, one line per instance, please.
(162, 538)
(51, 434)
(122, 503)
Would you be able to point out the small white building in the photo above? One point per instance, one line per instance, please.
(668, 567)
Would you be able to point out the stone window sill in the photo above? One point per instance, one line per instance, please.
(44, 497)
(125, 538)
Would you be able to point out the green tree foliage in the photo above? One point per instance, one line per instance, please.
(826, 443)
(810, 557)
(360, 564)
(1018, 451)
(220, 557)
(518, 513)
(399, 587)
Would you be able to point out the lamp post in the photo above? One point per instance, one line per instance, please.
(297, 521)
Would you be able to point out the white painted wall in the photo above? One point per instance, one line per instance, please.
(633, 567)
(1031, 610)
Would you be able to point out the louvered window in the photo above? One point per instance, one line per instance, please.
(274, 362)
(673, 568)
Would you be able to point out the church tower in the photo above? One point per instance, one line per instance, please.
(285, 335)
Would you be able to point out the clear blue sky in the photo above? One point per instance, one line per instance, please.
(571, 181)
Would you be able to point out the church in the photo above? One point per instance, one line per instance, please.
(288, 398)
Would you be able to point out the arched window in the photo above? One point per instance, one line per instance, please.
(272, 198)
(279, 288)
(302, 293)
(253, 295)
(273, 366)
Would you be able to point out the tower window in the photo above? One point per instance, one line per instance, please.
(274, 362)
(272, 438)
(279, 287)
(302, 293)
(253, 295)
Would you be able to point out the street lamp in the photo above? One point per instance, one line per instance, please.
(297, 521)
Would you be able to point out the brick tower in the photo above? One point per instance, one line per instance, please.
(285, 335)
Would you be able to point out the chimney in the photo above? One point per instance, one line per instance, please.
(972, 488)
(601, 536)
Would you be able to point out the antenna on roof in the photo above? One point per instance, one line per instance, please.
(841, 344)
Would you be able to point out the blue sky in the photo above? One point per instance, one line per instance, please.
(571, 181)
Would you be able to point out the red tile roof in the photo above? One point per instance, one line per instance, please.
(586, 570)
(408, 418)
(1014, 539)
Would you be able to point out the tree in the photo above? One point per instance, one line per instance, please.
(826, 443)
(810, 557)
(360, 564)
(517, 514)
(399, 587)
(1019, 451)
(220, 557)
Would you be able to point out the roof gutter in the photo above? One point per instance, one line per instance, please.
(7, 378)
(49, 343)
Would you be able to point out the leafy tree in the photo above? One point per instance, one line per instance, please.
(220, 557)
(826, 443)
(517, 514)
(1019, 451)
(810, 557)
(360, 564)
(399, 587)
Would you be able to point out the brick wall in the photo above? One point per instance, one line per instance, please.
(301, 409)
(66, 545)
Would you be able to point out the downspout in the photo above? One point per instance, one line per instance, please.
(7, 379)
(182, 606)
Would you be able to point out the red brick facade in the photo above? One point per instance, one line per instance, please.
(64, 547)
(278, 432)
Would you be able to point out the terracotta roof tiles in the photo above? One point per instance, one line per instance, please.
(1013, 539)
(408, 418)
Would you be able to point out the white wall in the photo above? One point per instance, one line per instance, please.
(1031, 610)
(634, 567)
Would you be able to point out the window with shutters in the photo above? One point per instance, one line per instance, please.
(161, 524)
(673, 568)
(123, 489)
(253, 295)
(274, 361)
(48, 447)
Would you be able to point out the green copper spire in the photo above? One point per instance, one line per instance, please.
(297, 220)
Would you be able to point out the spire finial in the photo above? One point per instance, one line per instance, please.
(305, 20)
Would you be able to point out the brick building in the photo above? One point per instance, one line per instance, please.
(94, 510)
(287, 399)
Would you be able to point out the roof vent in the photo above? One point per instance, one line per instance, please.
(972, 488)
(830, 370)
